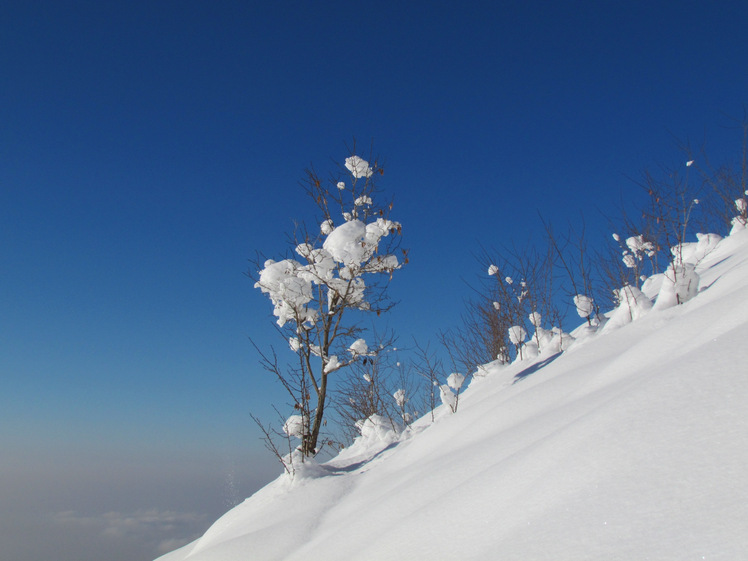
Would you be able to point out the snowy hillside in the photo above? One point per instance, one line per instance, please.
(632, 444)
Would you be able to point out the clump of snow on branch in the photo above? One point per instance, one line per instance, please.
(354, 244)
(400, 399)
(629, 260)
(326, 227)
(455, 380)
(493, 270)
(333, 364)
(359, 348)
(294, 426)
(358, 167)
(288, 292)
(638, 246)
(535, 319)
(637, 249)
(517, 334)
(584, 304)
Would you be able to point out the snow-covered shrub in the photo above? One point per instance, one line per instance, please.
(376, 383)
(517, 336)
(633, 253)
(448, 397)
(680, 284)
(450, 392)
(518, 290)
(584, 305)
(560, 341)
(693, 252)
(379, 429)
(342, 267)
(529, 350)
(742, 207)
(638, 254)
(632, 304)
(401, 399)
(680, 280)
(740, 222)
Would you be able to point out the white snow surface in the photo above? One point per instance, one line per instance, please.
(630, 445)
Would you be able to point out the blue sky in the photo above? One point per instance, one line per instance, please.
(147, 150)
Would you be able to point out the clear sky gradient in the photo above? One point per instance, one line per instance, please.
(148, 149)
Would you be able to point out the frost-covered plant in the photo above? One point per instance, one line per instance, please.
(741, 220)
(680, 280)
(633, 252)
(519, 291)
(375, 384)
(428, 366)
(340, 271)
(632, 303)
(400, 398)
(585, 307)
(378, 429)
(663, 222)
(517, 336)
(680, 284)
(450, 392)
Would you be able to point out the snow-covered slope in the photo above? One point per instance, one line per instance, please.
(631, 445)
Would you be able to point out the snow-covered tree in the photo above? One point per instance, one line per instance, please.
(320, 296)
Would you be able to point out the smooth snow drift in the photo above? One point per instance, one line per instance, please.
(630, 445)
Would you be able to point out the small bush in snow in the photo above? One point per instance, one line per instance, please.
(585, 307)
(342, 271)
(517, 336)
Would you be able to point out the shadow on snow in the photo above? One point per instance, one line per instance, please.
(534, 368)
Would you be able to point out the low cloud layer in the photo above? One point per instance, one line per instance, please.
(159, 530)
(68, 505)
